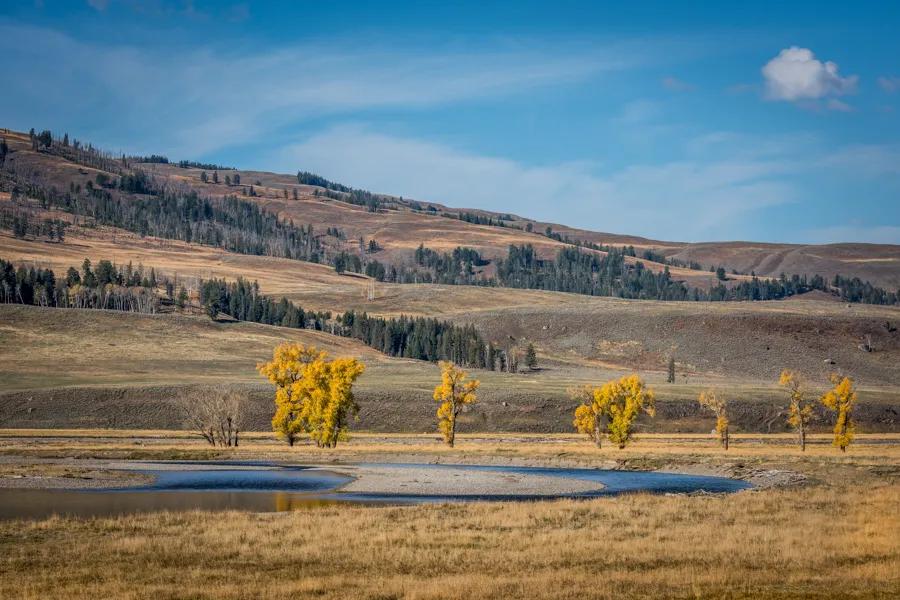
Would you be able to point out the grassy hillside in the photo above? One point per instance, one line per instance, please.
(91, 368)
(748, 341)
(400, 225)
(131, 366)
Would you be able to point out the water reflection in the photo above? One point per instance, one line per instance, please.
(271, 488)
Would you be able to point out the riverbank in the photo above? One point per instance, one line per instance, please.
(836, 534)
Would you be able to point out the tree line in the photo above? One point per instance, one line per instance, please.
(611, 409)
(229, 223)
(577, 271)
(418, 338)
(243, 301)
(103, 287)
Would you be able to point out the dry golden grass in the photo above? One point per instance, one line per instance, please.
(111, 348)
(837, 537)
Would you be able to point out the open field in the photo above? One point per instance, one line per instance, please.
(126, 370)
(737, 339)
(834, 534)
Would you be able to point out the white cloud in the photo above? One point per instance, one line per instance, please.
(890, 83)
(796, 74)
(685, 199)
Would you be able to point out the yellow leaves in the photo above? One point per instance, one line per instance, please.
(288, 361)
(312, 394)
(719, 406)
(800, 409)
(453, 393)
(841, 399)
(619, 401)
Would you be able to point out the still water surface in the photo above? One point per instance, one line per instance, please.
(261, 487)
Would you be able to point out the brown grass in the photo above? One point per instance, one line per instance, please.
(836, 537)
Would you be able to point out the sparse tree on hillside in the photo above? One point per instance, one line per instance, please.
(228, 180)
(454, 392)
(203, 177)
(182, 299)
(719, 406)
(531, 357)
(841, 399)
(670, 377)
(215, 177)
(236, 179)
(720, 274)
(295, 194)
(800, 409)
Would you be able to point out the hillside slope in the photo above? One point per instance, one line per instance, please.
(400, 225)
(92, 368)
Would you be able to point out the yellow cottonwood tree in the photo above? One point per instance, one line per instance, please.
(719, 406)
(286, 371)
(313, 394)
(591, 414)
(626, 398)
(619, 402)
(453, 393)
(800, 409)
(840, 399)
(330, 400)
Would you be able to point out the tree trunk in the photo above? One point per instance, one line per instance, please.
(725, 439)
(451, 438)
(802, 439)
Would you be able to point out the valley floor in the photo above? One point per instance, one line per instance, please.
(830, 530)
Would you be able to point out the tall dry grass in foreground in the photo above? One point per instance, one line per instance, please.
(813, 542)
(838, 536)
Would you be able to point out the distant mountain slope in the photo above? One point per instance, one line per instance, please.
(399, 225)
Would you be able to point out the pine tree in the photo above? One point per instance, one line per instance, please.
(531, 357)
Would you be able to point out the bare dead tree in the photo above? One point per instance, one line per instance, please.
(215, 415)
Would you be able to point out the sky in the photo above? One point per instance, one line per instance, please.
(691, 121)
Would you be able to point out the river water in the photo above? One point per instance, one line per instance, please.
(262, 487)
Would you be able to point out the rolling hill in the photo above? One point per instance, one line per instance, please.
(122, 369)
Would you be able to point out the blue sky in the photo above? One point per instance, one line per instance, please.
(684, 121)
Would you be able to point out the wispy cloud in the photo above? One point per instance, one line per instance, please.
(702, 197)
(674, 84)
(889, 83)
(198, 100)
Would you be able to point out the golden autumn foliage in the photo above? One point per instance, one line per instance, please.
(312, 394)
(453, 393)
(591, 413)
(619, 402)
(840, 399)
(719, 406)
(800, 409)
